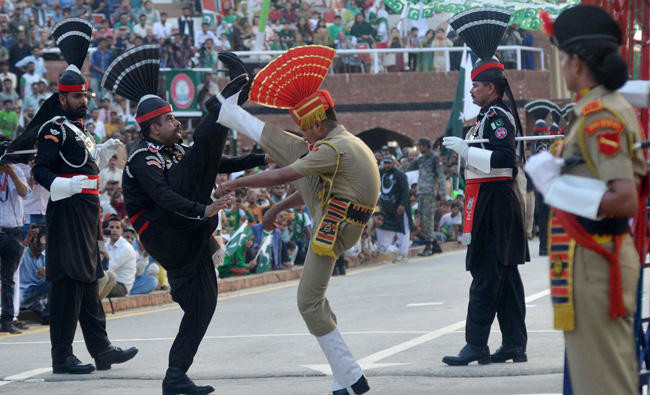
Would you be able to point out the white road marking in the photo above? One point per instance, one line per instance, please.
(24, 375)
(373, 359)
(424, 304)
(249, 336)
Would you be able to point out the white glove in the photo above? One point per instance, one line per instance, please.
(62, 187)
(543, 169)
(456, 144)
(105, 151)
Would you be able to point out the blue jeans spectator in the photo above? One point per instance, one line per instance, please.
(143, 285)
(35, 298)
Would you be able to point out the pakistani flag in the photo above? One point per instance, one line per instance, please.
(463, 108)
(265, 253)
(210, 12)
(237, 240)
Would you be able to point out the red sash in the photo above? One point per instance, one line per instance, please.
(472, 189)
(577, 232)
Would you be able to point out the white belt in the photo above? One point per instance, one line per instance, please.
(471, 174)
(90, 184)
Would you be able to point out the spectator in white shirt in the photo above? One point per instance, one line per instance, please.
(37, 59)
(100, 130)
(110, 173)
(162, 29)
(121, 258)
(203, 35)
(35, 203)
(145, 276)
(141, 28)
(450, 223)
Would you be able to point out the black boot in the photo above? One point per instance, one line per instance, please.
(8, 326)
(468, 354)
(505, 353)
(176, 382)
(112, 355)
(435, 247)
(427, 249)
(360, 387)
(73, 365)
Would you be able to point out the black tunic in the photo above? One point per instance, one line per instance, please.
(171, 226)
(498, 219)
(74, 222)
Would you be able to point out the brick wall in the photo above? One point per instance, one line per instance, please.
(355, 96)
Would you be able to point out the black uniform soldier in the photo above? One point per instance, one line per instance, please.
(67, 165)
(167, 189)
(494, 225)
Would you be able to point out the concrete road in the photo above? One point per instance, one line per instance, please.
(398, 319)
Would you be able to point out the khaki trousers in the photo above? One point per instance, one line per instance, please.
(285, 148)
(106, 284)
(600, 350)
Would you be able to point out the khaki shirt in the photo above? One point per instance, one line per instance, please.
(603, 127)
(357, 177)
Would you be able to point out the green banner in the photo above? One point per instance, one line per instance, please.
(182, 89)
(524, 12)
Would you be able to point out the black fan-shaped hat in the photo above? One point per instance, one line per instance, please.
(72, 36)
(482, 30)
(539, 109)
(566, 110)
(134, 75)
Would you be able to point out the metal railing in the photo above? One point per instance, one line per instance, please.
(376, 54)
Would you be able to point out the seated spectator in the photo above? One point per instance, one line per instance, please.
(252, 207)
(8, 119)
(277, 44)
(34, 288)
(287, 34)
(162, 29)
(303, 27)
(81, 10)
(106, 195)
(35, 97)
(27, 79)
(37, 58)
(275, 16)
(152, 14)
(289, 15)
(114, 124)
(235, 262)
(242, 35)
(362, 30)
(336, 27)
(451, 222)
(149, 38)
(145, 276)
(124, 23)
(203, 35)
(100, 130)
(322, 37)
(122, 258)
(6, 74)
(223, 44)
(140, 29)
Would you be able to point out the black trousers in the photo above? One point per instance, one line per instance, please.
(542, 212)
(74, 301)
(10, 253)
(496, 290)
(197, 296)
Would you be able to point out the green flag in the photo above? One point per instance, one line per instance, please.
(265, 253)
(463, 108)
(238, 239)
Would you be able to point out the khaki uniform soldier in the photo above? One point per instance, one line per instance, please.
(594, 266)
(336, 176)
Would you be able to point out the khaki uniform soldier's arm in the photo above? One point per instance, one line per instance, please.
(608, 143)
(321, 160)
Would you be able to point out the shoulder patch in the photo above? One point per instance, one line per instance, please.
(497, 124)
(150, 157)
(609, 142)
(501, 133)
(592, 107)
(153, 163)
(604, 123)
(54, 132)
(53, 138)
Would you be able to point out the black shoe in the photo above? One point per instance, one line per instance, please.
(8, 326)
(176, 382)
(427, 250)
(45, 320)
(435, 247)
(73, 365)
(505, 353)
(360, 387)
(112, 355)
(468, 354)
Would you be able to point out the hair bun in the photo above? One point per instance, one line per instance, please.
(613, 71)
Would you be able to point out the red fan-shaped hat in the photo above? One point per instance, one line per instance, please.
(292, 81)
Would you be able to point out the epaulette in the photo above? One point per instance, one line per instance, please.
(592, 107)
(55, 126)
